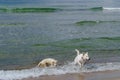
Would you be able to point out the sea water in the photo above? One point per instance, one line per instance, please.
(33, 30)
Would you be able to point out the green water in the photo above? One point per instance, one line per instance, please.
(31, 31)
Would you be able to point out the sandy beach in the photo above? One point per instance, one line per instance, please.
(103, 75)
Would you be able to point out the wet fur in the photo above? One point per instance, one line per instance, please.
(48, 62)
(81, 58)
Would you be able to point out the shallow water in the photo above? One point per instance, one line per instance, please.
(67, 68)
(33, 30)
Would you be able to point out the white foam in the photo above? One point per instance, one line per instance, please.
(111, 8)
(68, 68)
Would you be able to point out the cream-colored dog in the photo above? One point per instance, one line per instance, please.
(48, 62)
(81, 58)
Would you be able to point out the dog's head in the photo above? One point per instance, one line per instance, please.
(54, 63)
(86, 56)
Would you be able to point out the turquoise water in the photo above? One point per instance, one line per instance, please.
(33, 30)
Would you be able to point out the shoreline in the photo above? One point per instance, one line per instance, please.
(100, 75)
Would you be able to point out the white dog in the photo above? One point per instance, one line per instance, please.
(81, 58)
(48, 62)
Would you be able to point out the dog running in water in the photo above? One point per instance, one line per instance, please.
(81, 58)
(48, 62)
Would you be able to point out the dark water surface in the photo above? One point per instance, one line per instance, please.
(31, 30)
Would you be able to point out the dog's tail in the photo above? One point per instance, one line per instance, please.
(78, 53)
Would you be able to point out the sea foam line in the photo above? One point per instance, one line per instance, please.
(111, 8)
(67, 68)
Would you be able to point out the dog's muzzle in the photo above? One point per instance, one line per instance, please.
(89, 59)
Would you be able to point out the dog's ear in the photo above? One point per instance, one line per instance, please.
(85, 54)
(82, 54)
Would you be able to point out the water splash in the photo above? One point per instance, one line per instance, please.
(67, 68)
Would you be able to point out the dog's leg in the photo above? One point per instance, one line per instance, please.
(80, 64)
(39, 64)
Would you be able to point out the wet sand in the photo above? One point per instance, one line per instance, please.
(103, 75)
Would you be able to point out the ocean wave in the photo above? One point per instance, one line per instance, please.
(67, 68)
(3, 10)
(28, 10)
(47, 9)
(94, 22)
(93, 9)
(96, 8)
(100, 43)
(11, 24)
(105, 8)
(24, 10)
